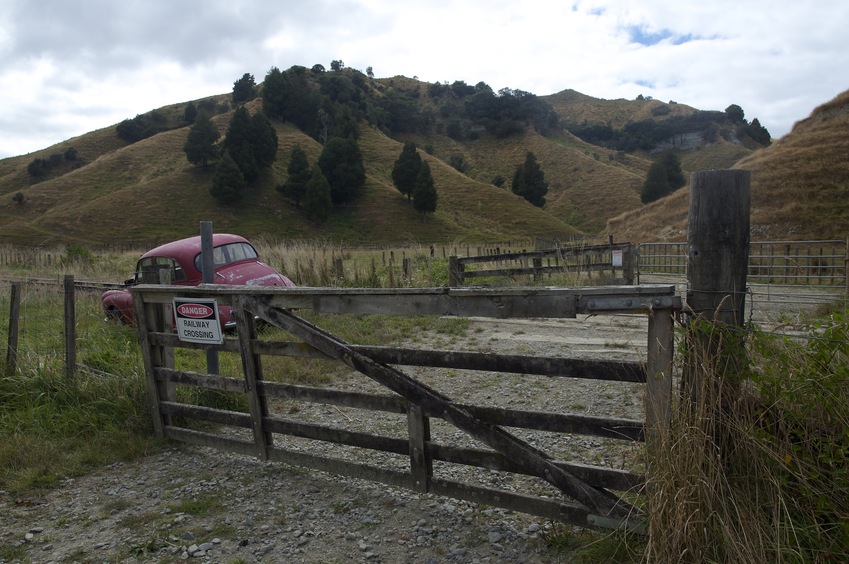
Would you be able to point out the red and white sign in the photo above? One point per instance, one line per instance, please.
(196, 320)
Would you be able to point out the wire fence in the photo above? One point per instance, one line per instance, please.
(41, 333)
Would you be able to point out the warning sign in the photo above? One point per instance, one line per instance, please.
(196, 320)
(617, 258)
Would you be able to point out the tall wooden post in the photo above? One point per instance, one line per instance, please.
(70, 328)
(208, 273)
(718, 256)
(14, 324)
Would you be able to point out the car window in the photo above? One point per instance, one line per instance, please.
(225, 254)
(147, 271)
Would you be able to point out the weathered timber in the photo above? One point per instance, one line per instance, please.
(220, 416)
(201, 438)
(213, 382)
(595, 475)
(338, 436)
(418, 429)
(340, 467)
(418, 393)
(14, 325)
(252, 368)
(462, 302)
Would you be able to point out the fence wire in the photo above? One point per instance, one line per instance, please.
(99, 344)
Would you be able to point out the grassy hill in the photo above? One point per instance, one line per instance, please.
(800, 186)
(114, 191)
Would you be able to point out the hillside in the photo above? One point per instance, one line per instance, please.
(800, 187)
(98, 188)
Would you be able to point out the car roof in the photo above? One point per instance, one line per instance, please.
(185, 250)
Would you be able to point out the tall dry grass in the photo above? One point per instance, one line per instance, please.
(755, 466)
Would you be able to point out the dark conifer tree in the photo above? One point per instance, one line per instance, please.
(342, 164)
(317, 201)
(529, 181)
(200, 147)
(299, 174)
(656, 184)
(424, 192)
(228, 184)
(265, 140)
(406, 169)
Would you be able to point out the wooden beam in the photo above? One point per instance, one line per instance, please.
(533, 460)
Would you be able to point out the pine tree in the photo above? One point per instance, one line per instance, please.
(228, 184)
(424, 192)
(299, 174)
(342, 164)
(239, 142)
(317, 201)
(264, 140)
(529, 181)
(674, 174)
(656, 185)
(406, 169)
(200, 145)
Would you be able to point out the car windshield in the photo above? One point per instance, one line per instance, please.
(225, 254)
(148, 269)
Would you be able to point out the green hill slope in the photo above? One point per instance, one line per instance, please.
(111, 191)
(800, 186)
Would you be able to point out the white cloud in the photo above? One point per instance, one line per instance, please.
(70, 67)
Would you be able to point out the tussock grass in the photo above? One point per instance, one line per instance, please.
(755, 468)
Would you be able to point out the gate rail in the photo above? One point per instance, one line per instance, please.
(588, 490)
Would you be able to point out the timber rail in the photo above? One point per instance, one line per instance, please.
(585, 492)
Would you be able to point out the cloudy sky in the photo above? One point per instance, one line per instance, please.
(68, 67)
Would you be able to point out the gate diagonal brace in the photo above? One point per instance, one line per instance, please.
(530, 459)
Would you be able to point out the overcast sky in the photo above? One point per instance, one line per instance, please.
(68, 67)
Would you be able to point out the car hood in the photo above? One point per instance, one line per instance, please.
(250, 274)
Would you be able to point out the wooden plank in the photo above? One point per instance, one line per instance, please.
(340, 467)
(213, 415)
(597, 476)
(547, 508)
(337, 436)
(151, 356)
(213, 382)
(201, 438)
(418, 428)
(545, 366)
(252, 368)
(418, 393)
(609, 427)
(510, 302)
(358, 400)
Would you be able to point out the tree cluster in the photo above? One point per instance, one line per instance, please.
(142, 126)
(54, 164)
(412, 177)
(249, 147)
(506, 113)
(648, 133)
(529, 181)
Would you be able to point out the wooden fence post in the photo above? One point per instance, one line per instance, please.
(455, 271)
(208, 273)
(718, 256)
(70, 328)
(14, 324)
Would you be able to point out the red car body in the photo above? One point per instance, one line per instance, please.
(236, 263)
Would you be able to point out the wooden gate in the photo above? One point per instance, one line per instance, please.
(583, 494)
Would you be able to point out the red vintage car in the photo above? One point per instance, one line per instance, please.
(236, 262)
